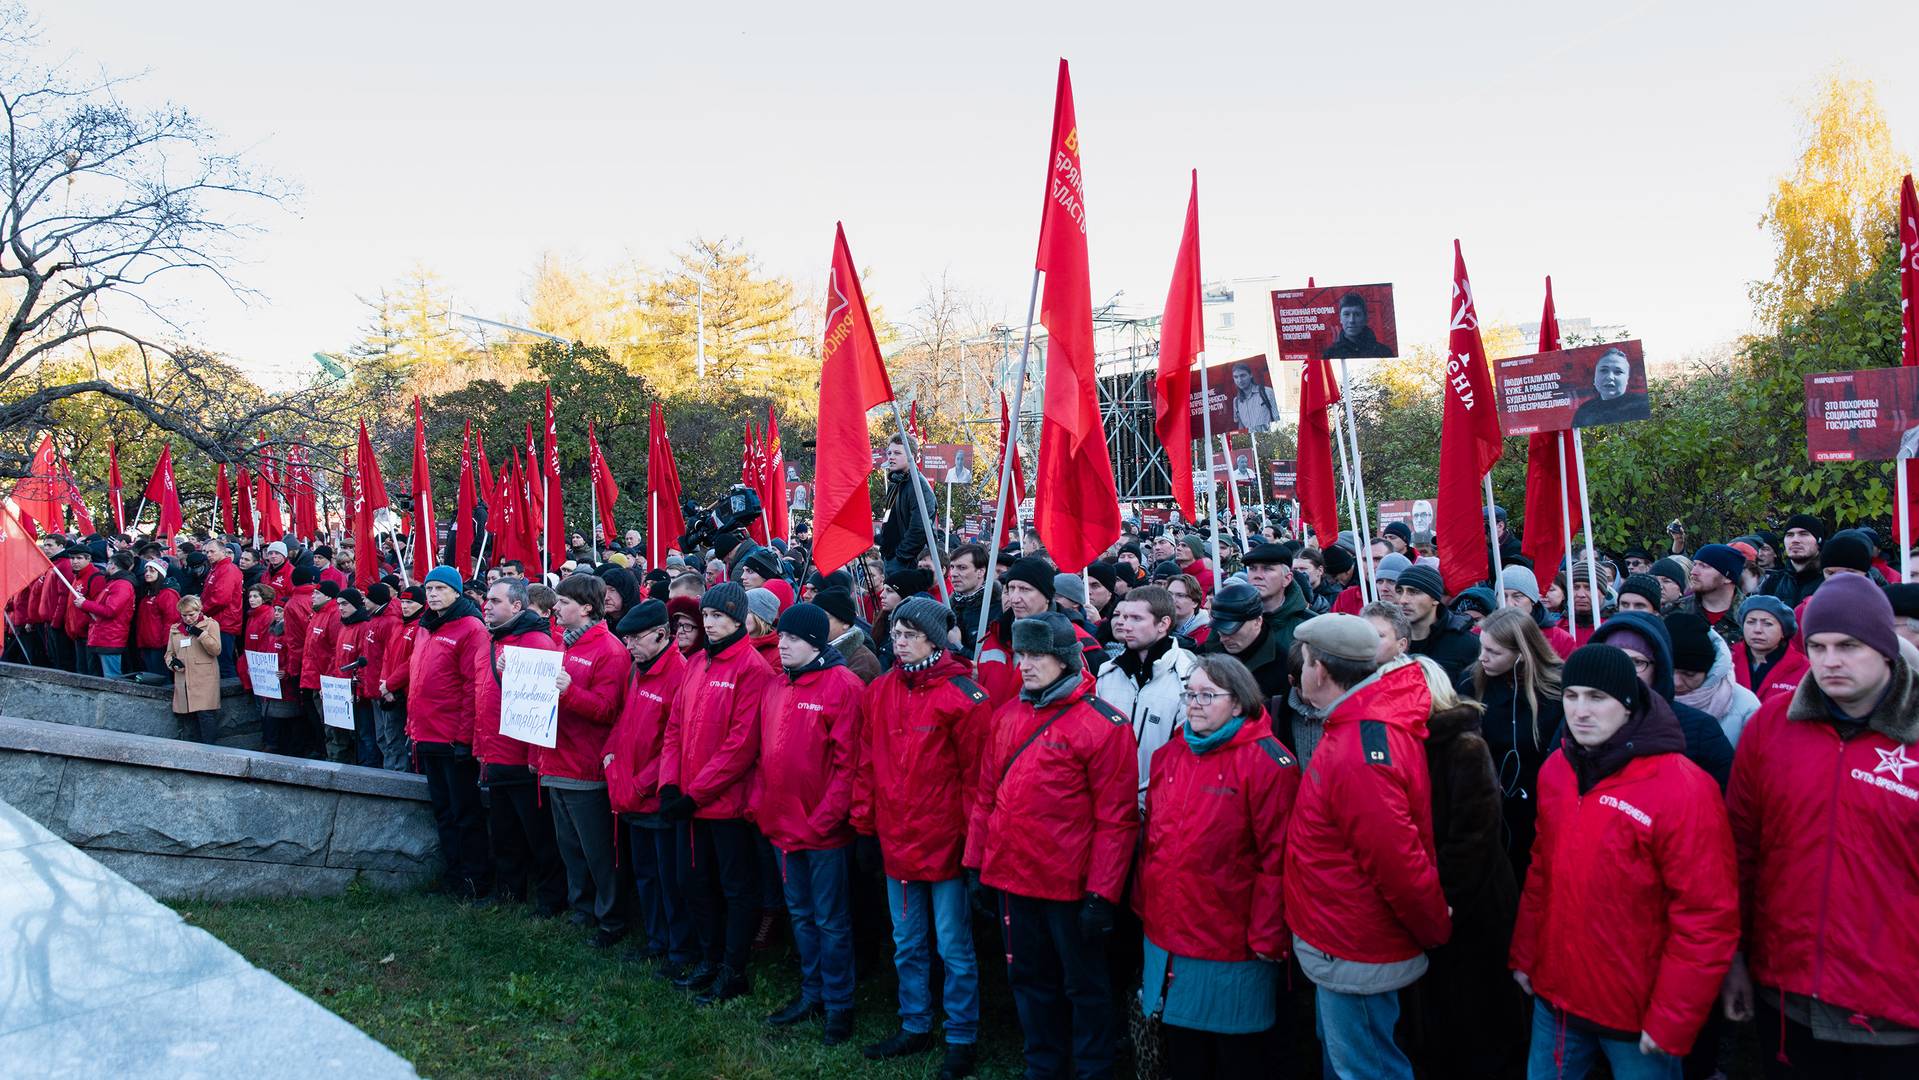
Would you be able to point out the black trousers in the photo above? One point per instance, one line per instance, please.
(721, 871)
(453, 783)
(1808, 1058)
(1207, 1055)
(519, 828)
(61, 654)
(1061, 990)
(583, 824)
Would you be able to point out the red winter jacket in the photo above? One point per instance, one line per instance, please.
(259, 638)
(598, 665)
(90, 581)
(1210, 884)
(1059, 820)
(1348, 602)
(769, 649)
(802, 794)
(153, 614)
(713, 729)
(297, 612)
(921, 735)
(997, 673)
(335, 575)
(111, 612)
(396, 666)
(449, 662)
(1362, 881)
(1631, 911)
(1202, 572)
(223, 596)
(54, 598)
(322, 639)
(1824, 828)
(632, 757)
(1782, 680)
(529, 631)
(349, 645)
(375, 634)
(281, 579)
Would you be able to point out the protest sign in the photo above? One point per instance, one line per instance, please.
(530, 694)
(264, 669)
(1572, 388)
(1417, 514)
(1285, 474)
(1867, 415)
(1240, 394)
(336, 701)
(947, 463)
(1336, 322)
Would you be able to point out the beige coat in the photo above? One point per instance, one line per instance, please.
(197, 689)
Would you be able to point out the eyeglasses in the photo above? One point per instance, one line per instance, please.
(1202, 697)
(1641, 664)
(905, 633)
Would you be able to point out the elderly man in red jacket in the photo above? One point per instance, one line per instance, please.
(519, 824)
(1361, 879)
(222, 596)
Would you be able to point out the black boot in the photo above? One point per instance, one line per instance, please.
(958, 1062)
(727, 985)
(900, 1044)
(795, 1011)
(838, 1027)
(698, 979)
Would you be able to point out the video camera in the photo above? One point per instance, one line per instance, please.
(733, 510)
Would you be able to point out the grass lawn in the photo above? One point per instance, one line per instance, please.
(465, 993)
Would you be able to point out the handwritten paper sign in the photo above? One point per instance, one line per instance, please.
(264, 669)
(336, 701)
(530, 694)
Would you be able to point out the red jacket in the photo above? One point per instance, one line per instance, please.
(802, 795)
(281, 579)
(632, 757)
(1782, 680)
(1825, 832)
(90, 581)
(448, 664)
(322, 640)
(54, 599)
(153, 614)
(297, 611)
(589, 705)
(1210, 883)
(1362, 881)
(1060, 820)
(350, 646)
(375, 633)
(259, 637)
(111, 612)
(1348, 602)
(223, 596)
(921, 734)
(1630, 915)
(396, 663)
(769, 649)
(335, 575)
(1202, 572)
(713, 729)
(491, 747)
(998, 676)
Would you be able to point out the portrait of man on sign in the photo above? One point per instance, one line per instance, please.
(1356, 340)
(1613, 401)
(1254, 407)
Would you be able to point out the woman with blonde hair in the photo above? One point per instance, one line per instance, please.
(1516, 678)
(193, 655)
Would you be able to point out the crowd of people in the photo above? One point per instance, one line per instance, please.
(1236, 809)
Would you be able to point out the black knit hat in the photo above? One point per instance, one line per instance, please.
(837, 603)
(727, 598)
(1605, 669)
(353, 598)
(1669, 569)
(330, 588)
(1691, 641)
(415, 593)
(1847, 551)
(1034, 571)
(305, 575)
(1103, 572)
(1166, 570)
(1337, 559)
(1423, 579)
(380, 593)
(1644, 585)
(1807, 522)
(642, 617)
(910, 581)
(808, 623)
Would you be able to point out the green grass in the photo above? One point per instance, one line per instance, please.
(496, 994)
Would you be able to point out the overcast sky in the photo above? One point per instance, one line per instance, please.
(1627, 149)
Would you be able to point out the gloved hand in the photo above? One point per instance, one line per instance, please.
(866, 856)
(676, 805)
(1095, 918)
(985, 900)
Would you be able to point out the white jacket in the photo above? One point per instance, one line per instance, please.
(1156, 709)
(1721, 695)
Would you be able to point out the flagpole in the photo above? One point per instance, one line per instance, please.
(1362, 544)
(1905, 521)
(1212, 485)
(1258, 487)
(1359, 477)
(480, 560)
(1492, 536)
(1565, 525)
(1239, 516)
(1586, 505)
(593, 497)
(1005, 469)
(921, 490)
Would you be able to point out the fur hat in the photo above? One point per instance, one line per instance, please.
(1051, 634)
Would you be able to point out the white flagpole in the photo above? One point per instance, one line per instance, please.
(1905, 521)
(1565, 524)
(1239, 519)
(593, 496)
(1492, 537)
(1259, 484)
(920, 492)
(1352, 513)
(1006, 468)
(1364, 519)
(1212, 485)
(1592, 560)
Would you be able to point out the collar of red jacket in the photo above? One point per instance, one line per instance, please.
(1396, 695)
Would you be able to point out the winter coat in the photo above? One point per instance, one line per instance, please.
(1721, 696)
(396, 665)
(1469, 843)
(322, 641)
(449, 662)
(90, 582)
(259, 638)
(598, 665)
(1264, 658)
(1706, 742)
(712, 737)
(916, 775)
(54, 599)
(1058, 820)
(1792, 586)
(196, 689)
(297, 613)
(1823, 818)
(111, 613)
(902, 535)
(153, 614)
(1630, 914)
(997, 674)
(382, 633)
(1450, 643)
(1361, 879)
(802, 793)
(349, 647)
(1788, 669)
(768, 646)
(859, 658)
(1518, 753)
(1154, 711)
(1284, 619)
(1214, 845)
(280, 578)
(224, 596)
(527, 631)
(632, 753)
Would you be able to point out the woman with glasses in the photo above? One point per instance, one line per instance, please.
(1209, 889)
(1517, 680)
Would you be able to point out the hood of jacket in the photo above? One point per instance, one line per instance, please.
(1897, 714)
(829, 657)
(1649, 627)
(1396, 694)
(1652, 728)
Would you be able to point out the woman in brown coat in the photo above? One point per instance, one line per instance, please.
(193, 655)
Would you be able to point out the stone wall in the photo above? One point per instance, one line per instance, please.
(62, 697)
(184, 820)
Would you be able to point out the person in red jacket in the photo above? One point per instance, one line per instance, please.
(1631, 913)
(524, 847)
(56, 594)
(157, 607)
(1363, 897)
(449, 663)
(110, 612)
(1824, 803)
(352, 661)
(276, 570)
(1210, 876)
(1026, 592)
(316, 659)
(221, 596)
(395, 666)
(707, 758)
(1767, 660)
(592, 680)
(632, 762)
(87, 582)
(1053, 829)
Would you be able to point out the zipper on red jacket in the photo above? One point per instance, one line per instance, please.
(1825, 883)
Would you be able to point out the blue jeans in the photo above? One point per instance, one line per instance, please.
(913, 938)
(229, 655)
(820, 905)
(1559, 1051)
(109, 663)
(1356, 1036)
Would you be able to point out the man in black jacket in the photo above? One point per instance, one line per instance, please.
(1241, 630)
(902, 533)
(1802, 573)
(1437, 633)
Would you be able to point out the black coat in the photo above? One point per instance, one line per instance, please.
(903, 534)
(1266, 660)
(1517, 754)
(1451, 643)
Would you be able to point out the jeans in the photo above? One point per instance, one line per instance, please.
(200, 727)
(229, 655)
(583, 822)
(1060, 988)
(722, 888)
(1563, 1052)
(818, 900)
(661, 892)
(521, 840)
(453, 783)
(1356, 1036)
(912, 904)
(390, 732)
(109, 663)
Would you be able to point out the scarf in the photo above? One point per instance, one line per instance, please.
(1138, 666)
(526, 622)
(1213, 740)
(463, 608)
(570, 636)
(921, 665)
(1651, 729)
(715, 648)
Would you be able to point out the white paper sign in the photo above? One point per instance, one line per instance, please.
(336, 701)
(264, 669)
(530, 694)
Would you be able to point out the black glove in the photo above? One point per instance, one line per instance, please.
(675, 804)
(194, 630)
(985, 900)
(866, 856)
(1095, 918)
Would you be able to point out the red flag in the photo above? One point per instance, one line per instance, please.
(249, 530)
(463, 508)
(70, 493)
(37, 496)
(1078, 515)
(664, 519)
(1316, 487)
(776, 508)
(116, 502)
(366, 552)
(1009, 444)
(349, 495)
(162, 493)
(604, 489)
(487, 487)
(425, 534)
(222, 494)
(306, 518)
(504, 520)
(1469, 441)
(852, 381)
(556, 548)
(1545, 539)
(753, 475)
(913, 427)
(1908, 319)
(271, 480)
(530, 520)
(1182, 337)
(21, 561)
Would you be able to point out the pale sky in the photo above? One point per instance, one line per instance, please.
(1626, 149)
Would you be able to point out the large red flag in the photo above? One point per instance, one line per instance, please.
(249, 529)
(664, 519)
(463, 508)
(1077, 513)
(776, 509)
(487, 487)
(425, 534)
(1545, 540)
(1009, 444)
(605, 490)
(503, 518)
(1182, 337)
(37, 496)
(306, 517)
(116, 500)
(21, 561)
(1316, 488)
(162, 493)
(70, 491)
(271, 481)
(366, 552)
(531, 522)
(556, 552)
(1469, 441)
(852, 381)
(223, 494)
(1909, 319)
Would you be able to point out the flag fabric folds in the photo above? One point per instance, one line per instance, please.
(116, 500)
(1469, 441)
(21, 561)
(778, 515)
(1316, 487)
(852, 381)
(425, 533)
(665, 521)
(1545, 539)
(1908, 322)
(37, 496)
(554, 505)
(1009, 444)
(372, 499)
(604, 489)
(162, 492)
(1182, 337)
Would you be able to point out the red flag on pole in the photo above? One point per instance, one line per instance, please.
(306, 517)
(21, 561)
(852, 381)
(532, 489)
(1078, 512)
(1009, 444)
(70, 492)
(1908, 321)
(1182, 337)
(243, 491)
(664, 519)
(753, 475)
(272, 480)
(463, 507)
(504, 518)
(776, 509)
(1469, 441)
(487, 487)
(556, 547)
(162, 493)
(1316, 487)
(116, 501)
(372, 499)
(425, 534)
(530, 521)
(605, 490)
(349, 494)
(1545, 539)
(223, 494)
(37, 496)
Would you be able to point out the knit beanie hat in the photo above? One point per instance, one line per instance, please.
(447, 576)
(1669, 569)
(1163, 570)
(1644, 585)
(763, 603)
(1903, 597)
(1052, 634)
(277, 548)
(1104, 573)
(909, 582)
(1070, 587)
(1777, 608)
(331, 589)
(1852, 605)
(1847, 551)
(1516, 579)
(1036, 572)
(1807, 522)
(1399, 529)
(1478, 598)
(839, 604)
(1390, 567)
(1722, 557)
(806, 622)
(415, 593)
(305, 575)
(928, 616)
(1196, 543)
(641, 617)
(1602, 668)
(1691, 642)
(380, 593)
(1426, 580)
(727, 598)
(352, 598)
(1337, 559)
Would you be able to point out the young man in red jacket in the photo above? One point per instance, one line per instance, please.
(1053, 829)
(352, 662)
(592, 683)
(521, 840)
(710, 750)
(389, 706)
(802, 801)
(87, 580)
(322, 641)
(224, 604)
(449, 663)
(110, 612)
(1362, 882)
(1824, 804)
(632, 761)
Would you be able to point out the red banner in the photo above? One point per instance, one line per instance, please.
(1285, 474)
(1867, 415)
(1240, 394)
(1572, 388)
(1416, 514)
(1336, 322)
